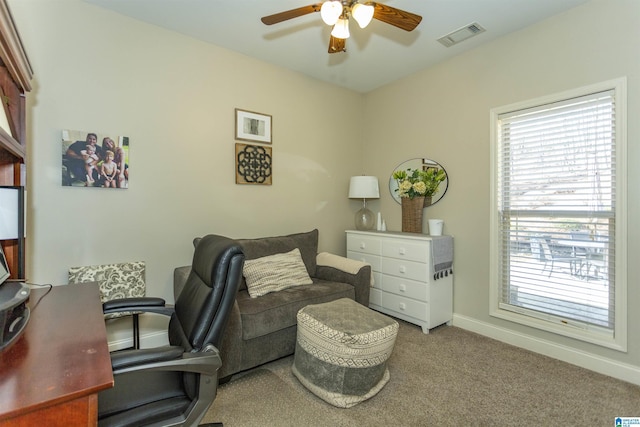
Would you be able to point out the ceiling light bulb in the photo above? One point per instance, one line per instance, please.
(330, 12)
(341, 29)
(362, 13)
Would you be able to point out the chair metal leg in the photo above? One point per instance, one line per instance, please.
(136, 331)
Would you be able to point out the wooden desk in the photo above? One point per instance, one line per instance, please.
(51, 375)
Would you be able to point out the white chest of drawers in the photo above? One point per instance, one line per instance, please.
(404, 286)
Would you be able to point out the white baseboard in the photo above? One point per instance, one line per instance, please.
(151, 339)
(602, 365)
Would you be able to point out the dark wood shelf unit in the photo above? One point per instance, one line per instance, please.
(15, 82)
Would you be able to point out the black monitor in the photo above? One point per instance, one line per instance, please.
(12, 223)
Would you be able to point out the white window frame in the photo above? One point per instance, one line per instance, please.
(617, 340)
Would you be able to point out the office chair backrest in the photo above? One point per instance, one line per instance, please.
(203, 306)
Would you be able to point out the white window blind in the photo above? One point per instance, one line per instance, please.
(555, 201)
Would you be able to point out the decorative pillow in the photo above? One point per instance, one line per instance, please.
(307, 243)
(275, 272)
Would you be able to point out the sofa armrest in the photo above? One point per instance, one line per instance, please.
(180, 275)
(340, 269)
(231, 347)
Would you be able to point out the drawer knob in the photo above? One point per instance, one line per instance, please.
(402, 251)
(402, 306)
(362, 245)
(402, 269)
(402, 287)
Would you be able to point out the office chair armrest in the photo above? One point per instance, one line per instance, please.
(138, 301)
(140, 304)
(129, 358)
(169, 358)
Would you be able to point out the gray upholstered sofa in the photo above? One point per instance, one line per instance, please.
(263, 329)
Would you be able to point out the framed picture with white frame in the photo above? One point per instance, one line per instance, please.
(252, 126)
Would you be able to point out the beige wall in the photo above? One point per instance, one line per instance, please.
(175, 98)
(443, 113)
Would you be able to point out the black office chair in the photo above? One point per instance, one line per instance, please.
(176, 384)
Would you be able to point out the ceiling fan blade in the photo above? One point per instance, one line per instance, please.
(398, 18)
(290, 14)
(337, 45)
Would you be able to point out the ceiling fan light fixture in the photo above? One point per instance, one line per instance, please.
(362, 13)
(336, 13)
(341, 29)
(331, 11)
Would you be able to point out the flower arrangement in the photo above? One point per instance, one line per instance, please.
(419, 183)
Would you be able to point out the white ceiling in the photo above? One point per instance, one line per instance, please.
(376, 55)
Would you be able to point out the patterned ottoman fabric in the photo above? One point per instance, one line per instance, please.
(341, 351)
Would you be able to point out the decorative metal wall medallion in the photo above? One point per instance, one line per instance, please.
(253, 164)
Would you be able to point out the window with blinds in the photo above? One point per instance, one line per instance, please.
(556, 204)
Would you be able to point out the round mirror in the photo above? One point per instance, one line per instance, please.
(423, 165)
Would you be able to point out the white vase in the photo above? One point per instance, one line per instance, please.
(435, 227)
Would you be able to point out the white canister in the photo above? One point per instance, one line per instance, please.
(435, 227)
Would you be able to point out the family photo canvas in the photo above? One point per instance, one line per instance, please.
(93, 159)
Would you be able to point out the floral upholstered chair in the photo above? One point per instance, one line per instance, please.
(116, 281)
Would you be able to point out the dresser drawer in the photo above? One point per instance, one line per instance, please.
(406, 306)
(375, 297)
(412, 251)
(374, 260)
(366, 244)
(407, 269)
(402, 271)
(405, 287)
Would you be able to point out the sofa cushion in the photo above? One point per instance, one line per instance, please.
(274, 273)
(277, 310)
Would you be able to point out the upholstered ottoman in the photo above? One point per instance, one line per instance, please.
(342, 350)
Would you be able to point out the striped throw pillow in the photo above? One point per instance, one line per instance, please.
(275, 272)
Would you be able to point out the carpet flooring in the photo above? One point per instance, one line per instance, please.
(448, 377)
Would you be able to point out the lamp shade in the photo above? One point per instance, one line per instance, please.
(364, 187)
(341, 29)
(330, 12)
(9, 213)
(362, 13)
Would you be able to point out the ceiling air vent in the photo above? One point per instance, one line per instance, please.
(462, 34)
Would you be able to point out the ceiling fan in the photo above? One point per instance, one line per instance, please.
(337, 13)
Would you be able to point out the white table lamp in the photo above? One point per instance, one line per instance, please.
(364, 187)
